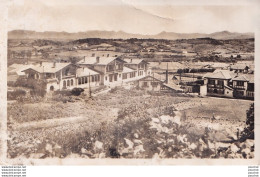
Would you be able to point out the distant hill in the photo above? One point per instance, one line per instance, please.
(26, 34)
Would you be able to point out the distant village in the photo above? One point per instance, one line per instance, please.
(93, 71)
(89, 66)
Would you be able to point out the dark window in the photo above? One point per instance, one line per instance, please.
(240, 83)
(71, 82)
(145, 84)
(79, 81)
(212, 81)
(220, 82)
(110, 77)
(125, 76)
(154, 84)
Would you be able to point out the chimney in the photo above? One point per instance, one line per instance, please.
(107, 55)
(97, 59)
(54, 64)
(93, 54)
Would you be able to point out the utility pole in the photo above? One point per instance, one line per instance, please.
(167, 74)
(89, 85)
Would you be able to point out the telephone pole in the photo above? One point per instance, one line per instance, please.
(89, 86)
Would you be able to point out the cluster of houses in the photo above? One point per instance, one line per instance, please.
(91, 71)
(235, 81)
(229, 83)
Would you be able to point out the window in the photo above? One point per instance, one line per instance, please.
(68, 83)
(240, 83)
(212, 81)
(145, 84)
(79, 81)
(86, 79)
(71, 82)
(64, 84)
(93, 78)
(106, 77)
(111, 78)
(154, 84)
(125, 76)
(83, 80)
(220, 82)
(67, 72)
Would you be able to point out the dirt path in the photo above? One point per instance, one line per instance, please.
(56, 122)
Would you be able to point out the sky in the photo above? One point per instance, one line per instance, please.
(134, 16)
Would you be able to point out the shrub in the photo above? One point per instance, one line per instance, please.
(77, 91)
(63, 92)
(38, 86)
(14, 95)
(248, 132)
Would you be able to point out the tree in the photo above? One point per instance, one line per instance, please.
(248, 132)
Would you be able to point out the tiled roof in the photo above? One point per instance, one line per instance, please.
(244, 77)
(84, 71)
(133, 61)
(238, 66)
(127, 69)
(220, 74)
(93, 60)
(48, 67)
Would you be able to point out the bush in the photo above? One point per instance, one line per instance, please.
(38, 86)
(77, 91)
(248, 132)
(63, 92)
(14, 95)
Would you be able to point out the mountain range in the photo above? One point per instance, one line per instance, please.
(27, 34)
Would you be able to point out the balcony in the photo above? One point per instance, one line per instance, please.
(68, 76)
(211, 85)
(238, 87)
(219, 86)
(51, 80)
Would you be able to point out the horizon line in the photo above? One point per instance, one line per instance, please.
(128, 32)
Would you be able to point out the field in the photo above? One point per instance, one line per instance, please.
(126, 124)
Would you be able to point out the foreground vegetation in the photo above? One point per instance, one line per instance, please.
(130, 124)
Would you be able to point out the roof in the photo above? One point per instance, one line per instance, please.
(18, 68)
(47, 67)
(84, 71)
(159, 76)
(133, 61)
(219, 74)
(219, 65)
(156, 79)
(245, 77)
(102, 60)
(238, 66)
(127, 69)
